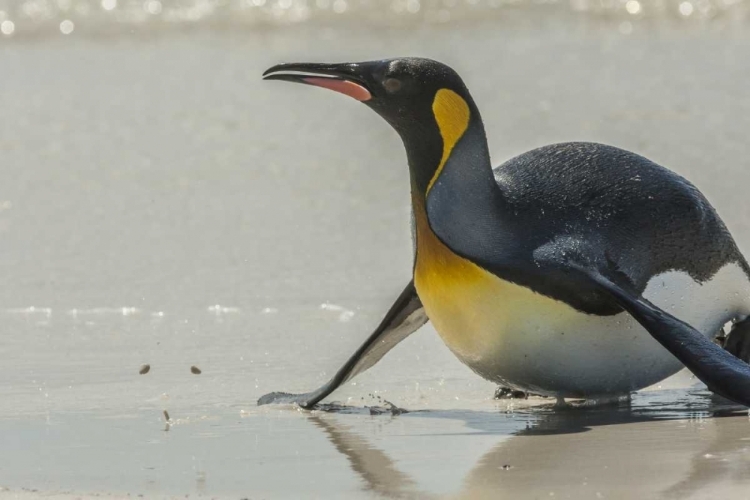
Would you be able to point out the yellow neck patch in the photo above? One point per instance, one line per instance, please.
(452, 116)
(447, 284)
(478, 315)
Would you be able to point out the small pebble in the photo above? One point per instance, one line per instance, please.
(195, 370)
(166, 415)
(144, 369)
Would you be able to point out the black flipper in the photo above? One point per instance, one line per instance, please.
(723, 373)
(405, 317)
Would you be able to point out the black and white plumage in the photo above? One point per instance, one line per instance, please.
(559, 272)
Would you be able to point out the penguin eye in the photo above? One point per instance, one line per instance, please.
(392, 85)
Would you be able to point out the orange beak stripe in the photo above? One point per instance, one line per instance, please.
(345, 87)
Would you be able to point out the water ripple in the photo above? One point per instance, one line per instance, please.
(20, 18)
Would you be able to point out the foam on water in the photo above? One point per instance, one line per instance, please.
(19, 18)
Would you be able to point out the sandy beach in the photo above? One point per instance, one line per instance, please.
(162, 205)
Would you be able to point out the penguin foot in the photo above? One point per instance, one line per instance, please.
(738, 340)
(508, 393)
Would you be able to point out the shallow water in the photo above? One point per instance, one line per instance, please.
(161, 205)
(56, 18)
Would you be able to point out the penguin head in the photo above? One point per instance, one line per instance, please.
(425, 101)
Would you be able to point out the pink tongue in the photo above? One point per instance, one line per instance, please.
(344, 86)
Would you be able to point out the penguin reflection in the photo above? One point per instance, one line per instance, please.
(578, 453)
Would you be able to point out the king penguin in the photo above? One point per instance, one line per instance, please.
(575, 270)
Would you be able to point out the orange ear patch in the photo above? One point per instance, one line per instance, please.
(452, 116)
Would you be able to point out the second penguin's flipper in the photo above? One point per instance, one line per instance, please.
(405, 317)
(738, 341)
(723, 373)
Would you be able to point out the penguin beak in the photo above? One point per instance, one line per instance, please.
(343, 78)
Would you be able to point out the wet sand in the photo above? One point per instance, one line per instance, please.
(161, 205)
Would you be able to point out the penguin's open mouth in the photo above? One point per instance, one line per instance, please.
(340, 78)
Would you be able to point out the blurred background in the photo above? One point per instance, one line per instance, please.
(161, 205)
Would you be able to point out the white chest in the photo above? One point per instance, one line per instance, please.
(522, 339)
